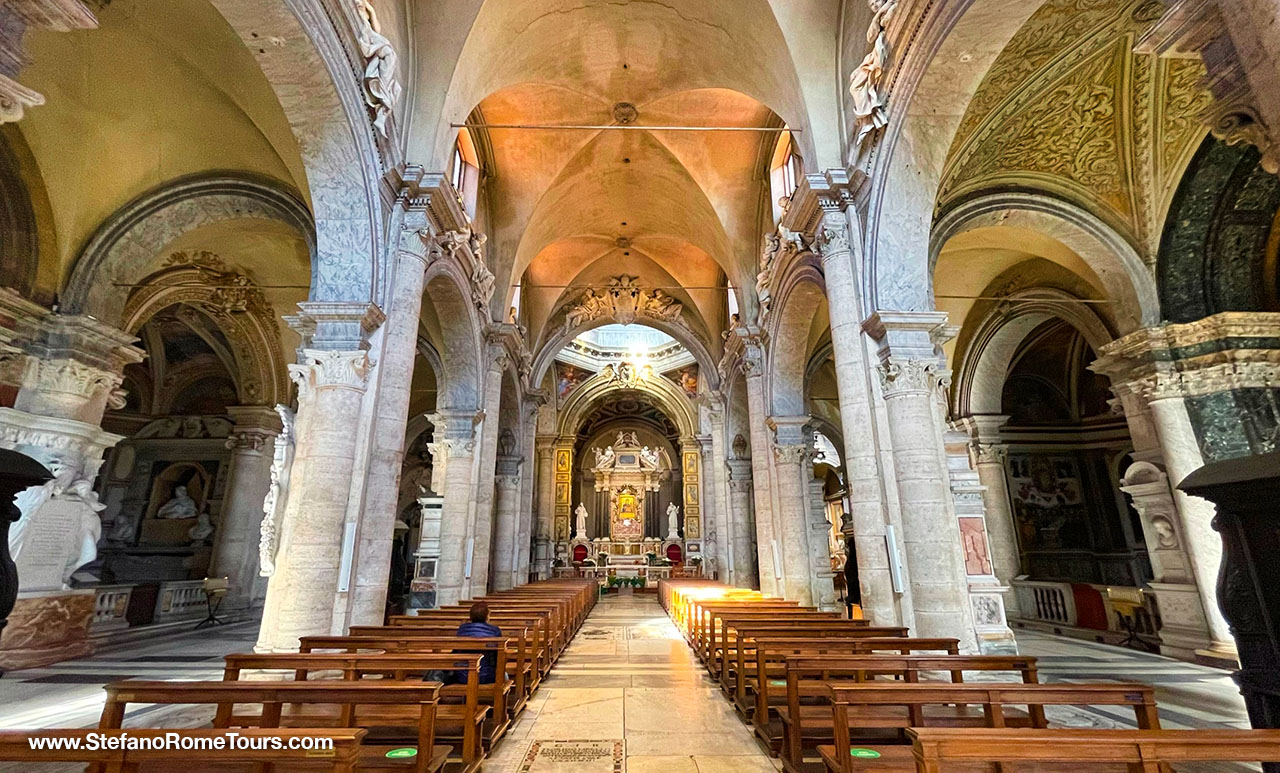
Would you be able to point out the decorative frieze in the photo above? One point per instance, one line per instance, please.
(624, 301)
(899, 377)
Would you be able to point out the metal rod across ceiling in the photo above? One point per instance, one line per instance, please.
(622, 127)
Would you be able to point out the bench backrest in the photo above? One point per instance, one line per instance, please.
(1142, 750)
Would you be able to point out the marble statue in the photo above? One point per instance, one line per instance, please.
(581, 514)
(604, 458)
(381, 85)
(203, 529)
(673, 521)
(649, 457)
(627, 439)
(90, 526)
(181, 505)
(865, 81)
(277, 492)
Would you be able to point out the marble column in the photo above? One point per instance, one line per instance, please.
(793, 469)
(366, 604)
(301, 595)
(988, 455)
(482, 521)
(506, 500)
(1182, 456)
(821, 574)
(740, 506)
(525, 512)
(715, 529)
(768, 541)
(837, 239)
(911, 373)
(249, 476)
(544, 550)
(717, 477)
(456, 434)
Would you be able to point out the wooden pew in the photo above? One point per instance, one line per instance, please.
(936, 750)
(709, 637)
(538, 625)
(342, 757)
(517, 661)
(736, 630)
(883, 709)
(350, 704)
(806, 716)
(790, 642)
(769, 679)
(460, 716)
(404, 641)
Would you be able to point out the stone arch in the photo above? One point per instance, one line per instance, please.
(949, 53)
(461, 374)
(981, 374)
(701, 354)
(312, 68)
(670, 397)
(800, 293)
(236, 306)
(19, 234)
(1123, 274)
(139, 231)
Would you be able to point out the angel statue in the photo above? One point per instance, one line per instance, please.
(381, 87)
(864, 82)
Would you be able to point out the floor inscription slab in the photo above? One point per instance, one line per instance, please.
(574, 756)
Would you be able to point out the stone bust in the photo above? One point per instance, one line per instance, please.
(181, 505)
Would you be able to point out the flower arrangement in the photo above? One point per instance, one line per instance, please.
(620, 582)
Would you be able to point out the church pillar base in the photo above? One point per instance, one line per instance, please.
(47, 627)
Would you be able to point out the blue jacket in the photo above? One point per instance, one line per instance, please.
(489, 663)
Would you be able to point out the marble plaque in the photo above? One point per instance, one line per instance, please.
(553, 756)
(48, 543)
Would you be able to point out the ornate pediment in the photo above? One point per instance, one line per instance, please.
(624, 300)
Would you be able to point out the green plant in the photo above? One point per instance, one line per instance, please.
(557, 563)
(588, 562)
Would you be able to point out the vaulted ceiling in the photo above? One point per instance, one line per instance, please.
(1070, 110)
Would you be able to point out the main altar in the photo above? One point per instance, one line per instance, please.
(629, 473)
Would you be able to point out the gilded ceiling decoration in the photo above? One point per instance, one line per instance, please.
(1069, 109)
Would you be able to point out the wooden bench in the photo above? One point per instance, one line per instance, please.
(518, 657)
(806, 718)
(854, 642)
(349, 706)
(880, 713)
(770, 677)
(732, 653)
(936, 750)
(404, 641)
(460, 716)
(536, 627)
(710, 639)
(137, 750)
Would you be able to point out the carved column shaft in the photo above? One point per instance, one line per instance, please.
(236, 555)
(301, 594)
(367, 604)
(544, 528)
(793, 469)
(865, 482)
(505, 502)
(771, 573)
(457, 436)
(989, 455)
(482, 517)
(525, 510)
(740, 509)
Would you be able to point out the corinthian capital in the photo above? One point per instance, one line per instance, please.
(323, 369)
(903, 376)
(793, 454)
(833, 234)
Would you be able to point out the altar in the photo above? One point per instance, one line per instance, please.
(628, 473)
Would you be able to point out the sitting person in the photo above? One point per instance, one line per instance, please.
(479, 628)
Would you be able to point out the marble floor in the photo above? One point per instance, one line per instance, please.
(628, 694)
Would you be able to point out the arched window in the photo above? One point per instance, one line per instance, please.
(786, 170)
(464, 171)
